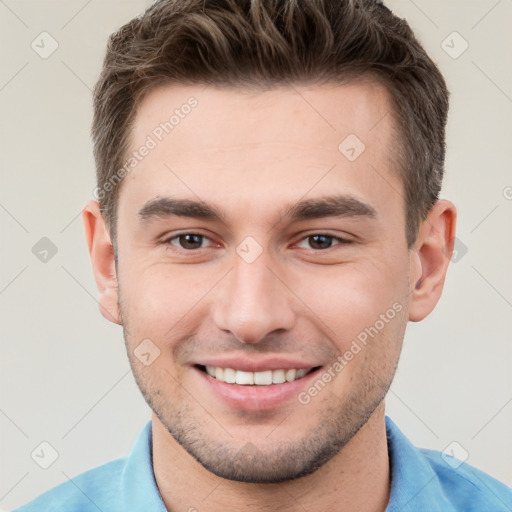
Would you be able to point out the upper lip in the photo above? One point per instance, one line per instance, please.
(246, 364)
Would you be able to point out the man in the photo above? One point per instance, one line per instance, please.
(268, 222)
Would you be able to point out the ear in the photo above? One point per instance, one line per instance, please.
(101, 253)
(430, 257)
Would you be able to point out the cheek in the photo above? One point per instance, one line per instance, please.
(162, 292)
(163, 303)
(350, 298)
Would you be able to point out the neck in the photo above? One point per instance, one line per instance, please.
(357, 478)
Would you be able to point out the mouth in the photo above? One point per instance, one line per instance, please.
(260, 378)
(243, 384)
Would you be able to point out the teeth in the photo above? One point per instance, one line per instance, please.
(244, 378)
(290, 375)
(229, 375)
(278, 377)
(265, 378)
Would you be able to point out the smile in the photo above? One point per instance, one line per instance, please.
(262, 378)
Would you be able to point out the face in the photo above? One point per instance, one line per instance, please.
(254, 249)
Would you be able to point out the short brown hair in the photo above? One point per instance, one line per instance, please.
(271, 42)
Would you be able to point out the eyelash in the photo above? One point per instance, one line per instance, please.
(341, 241)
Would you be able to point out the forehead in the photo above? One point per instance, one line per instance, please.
(230, 115)
(263, 147)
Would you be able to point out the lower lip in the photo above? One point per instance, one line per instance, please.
(256, 398)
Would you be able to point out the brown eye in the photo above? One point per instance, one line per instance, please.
(319, 241)
(188, 241)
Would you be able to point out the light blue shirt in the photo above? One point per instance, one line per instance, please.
(421, 481)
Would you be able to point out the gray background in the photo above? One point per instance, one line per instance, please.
(64, 375)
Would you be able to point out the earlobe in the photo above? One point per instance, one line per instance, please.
(101, 253)
(430, 258)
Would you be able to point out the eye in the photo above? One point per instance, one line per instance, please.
(187, 241)
(322, 241)
(194, 241)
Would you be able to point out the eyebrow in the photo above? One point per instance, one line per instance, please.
(329, 206)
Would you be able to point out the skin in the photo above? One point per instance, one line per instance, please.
(250, 153)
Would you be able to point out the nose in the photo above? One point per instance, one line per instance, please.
(253, 301)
